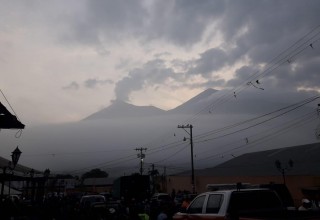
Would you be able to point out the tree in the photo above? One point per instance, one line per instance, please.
(95, 173)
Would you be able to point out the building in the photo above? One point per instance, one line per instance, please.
(298, 167)
(21, 180)
(97, 185)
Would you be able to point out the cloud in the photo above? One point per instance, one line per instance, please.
(72, 86)
(182, 23)
(211, 60)
(152, 73)
(106, 20)
(92, 83)
(179, 44)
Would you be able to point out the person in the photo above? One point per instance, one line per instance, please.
(162, 216)
(164, 213)
(173, 193)
(185, 203)
(305, 206)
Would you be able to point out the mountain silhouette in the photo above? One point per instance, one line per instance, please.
(113, 133)
(121, 109)
(196, 103)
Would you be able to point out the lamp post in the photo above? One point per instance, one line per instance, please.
(32, 184)
(46, 175)
(15, 155)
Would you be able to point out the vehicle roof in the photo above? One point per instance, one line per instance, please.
(228, 191)
(161, 194)
(92, 195)
(88, 196)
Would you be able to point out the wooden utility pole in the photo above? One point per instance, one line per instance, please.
(141, 156)
(191, 145)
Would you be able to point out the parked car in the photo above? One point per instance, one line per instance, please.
(161, 197)
(161, 201)
(88, 201)
(180, 198)
(240, 204)
(115, 210)
(14, 198)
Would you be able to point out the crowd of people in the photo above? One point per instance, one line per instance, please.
(56, 207)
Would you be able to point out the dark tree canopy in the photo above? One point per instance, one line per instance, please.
(95, 173)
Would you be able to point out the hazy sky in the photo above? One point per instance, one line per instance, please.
(63, 60)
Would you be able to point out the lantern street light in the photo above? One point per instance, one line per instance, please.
(15, 155)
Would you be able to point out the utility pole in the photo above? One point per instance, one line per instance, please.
(152, 176)
(141, 156)
(284, 169)
(191, 144)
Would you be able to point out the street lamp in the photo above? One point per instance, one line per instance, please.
(46, 175)
(15, 155)
(31, 173)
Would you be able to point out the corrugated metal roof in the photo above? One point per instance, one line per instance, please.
(19, 169)
(306, 161)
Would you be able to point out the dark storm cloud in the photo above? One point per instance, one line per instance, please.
(155, 73)
(211, 60)
(269, 26)
(179, 22)
(300, 74)
(257, 31)
(92, 83)
(89, 83)
(72, 86)
(183, 22)
(111, 20)
(152, 73)
(242, 75)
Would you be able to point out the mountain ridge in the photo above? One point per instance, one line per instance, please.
(121, 109)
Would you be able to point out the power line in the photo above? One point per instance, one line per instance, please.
(264, 121)
(258, 75)
(309, 41)
(275, 131)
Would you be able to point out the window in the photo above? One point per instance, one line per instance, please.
(255, 200)
(196, 205)
(214, 203)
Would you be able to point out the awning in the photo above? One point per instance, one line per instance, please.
(8, 120)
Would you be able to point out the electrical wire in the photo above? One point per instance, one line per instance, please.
(272, 66)
(177, 144)
(275, 131)
(259, 75)
(264, 121)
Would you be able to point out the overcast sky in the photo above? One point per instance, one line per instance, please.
(61, 60)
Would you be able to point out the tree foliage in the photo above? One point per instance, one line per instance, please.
(95, 173)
